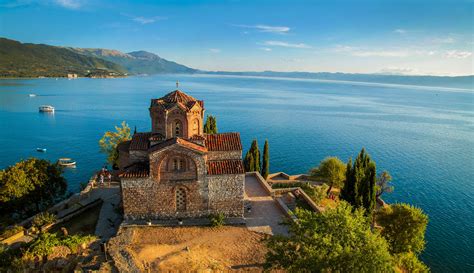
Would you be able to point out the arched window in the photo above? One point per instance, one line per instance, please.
(196, 127)
(181, 199)
(179, 165)
(178, 128)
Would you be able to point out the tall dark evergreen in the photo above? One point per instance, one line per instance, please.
(256, 155)
(210, 127)
(252, 158)
(266, 160)
(347, 192)
(359, 188)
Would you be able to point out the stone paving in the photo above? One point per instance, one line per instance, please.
(265, 215)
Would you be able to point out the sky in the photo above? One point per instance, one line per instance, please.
(413, 37)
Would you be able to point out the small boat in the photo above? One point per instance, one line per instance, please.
(32, 95)
(67, 162)
(43, 150)
(46, 108)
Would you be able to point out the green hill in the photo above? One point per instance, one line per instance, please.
(35, 60)
(137, 62)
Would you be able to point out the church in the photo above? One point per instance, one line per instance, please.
(177, 171)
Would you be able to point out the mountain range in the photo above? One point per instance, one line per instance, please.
(34, 60)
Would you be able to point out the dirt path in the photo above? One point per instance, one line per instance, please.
(192, 248)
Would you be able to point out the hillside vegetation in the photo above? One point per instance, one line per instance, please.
(35, 60)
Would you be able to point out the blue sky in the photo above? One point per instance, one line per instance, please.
(395, 37)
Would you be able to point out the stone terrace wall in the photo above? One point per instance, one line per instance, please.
(226, 194)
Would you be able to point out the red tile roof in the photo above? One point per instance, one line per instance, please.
(177, 97)
(228, 166)
(157, 137)
(137, 170)
(223, 142)
(179, 141)
(140, 141)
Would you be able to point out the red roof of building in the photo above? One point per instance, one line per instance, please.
(223, 142)
(179, 141)
(177, 97)
(137, 170)
(228, 166)
(140, 141)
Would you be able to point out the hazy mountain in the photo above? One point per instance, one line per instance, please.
(33, 60)
(466, 82)
(137, 62)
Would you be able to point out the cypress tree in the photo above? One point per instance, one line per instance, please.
(251, 163)
(256, 155)
(210, 127)
(347, 192)
(359, 188)
(266, 160)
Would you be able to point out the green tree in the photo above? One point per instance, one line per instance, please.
(252, 158)
(336, 240)
(266, 160)
(409, 262)
(30, 186)
(332, 170)
(210, 127)
(108, 143)
(403, 226)
(359, 186)
(383, 184)
(249, 162)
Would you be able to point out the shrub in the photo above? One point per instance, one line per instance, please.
(42, 219)
(74, 241)
(217, 220)
(11, 231)
(320, 193)
(43, 245)
(408, 262)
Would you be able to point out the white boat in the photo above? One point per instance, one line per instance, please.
(67, 162)
(46, 108)
(32, 95)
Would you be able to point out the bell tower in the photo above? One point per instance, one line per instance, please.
(177, 115)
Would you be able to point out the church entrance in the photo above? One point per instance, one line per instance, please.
(181, 199)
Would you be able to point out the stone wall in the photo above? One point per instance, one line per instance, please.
(226, 194)
(220, 155)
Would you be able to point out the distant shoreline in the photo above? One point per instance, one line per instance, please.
(275, 77)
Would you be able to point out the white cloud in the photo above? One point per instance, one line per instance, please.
(394, 70)
(285, 44)
(69, 4)
(400, 31)
(367, 52)
(144, 20)
(266, 28)
(445, 40)
(266, 49)
(380, 53)
(458, 54)
(214, 50)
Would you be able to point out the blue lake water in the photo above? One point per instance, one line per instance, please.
(423, 136)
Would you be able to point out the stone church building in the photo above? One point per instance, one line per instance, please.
(178, 171)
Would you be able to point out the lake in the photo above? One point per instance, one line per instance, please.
(424, 136)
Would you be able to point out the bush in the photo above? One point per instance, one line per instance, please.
(217, 220)
(74, 241)
(11, 231)
(43, 219)
(320, 192)
(43, 245)
(408, 262)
